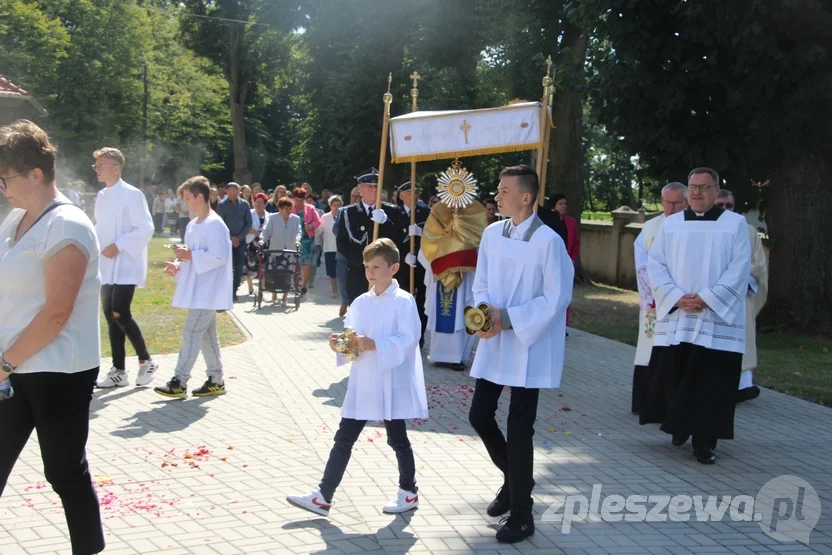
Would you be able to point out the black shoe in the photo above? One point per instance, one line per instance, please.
(172, 389)
(748, 394)
(515, 528)
(705, 455)
(209, 389)
(680, 439)
(501, 504)
(303, 291)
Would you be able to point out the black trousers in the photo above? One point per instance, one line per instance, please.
(58, 407)
(117, 299)
(345, 438)
(513, 456)
(238, 258)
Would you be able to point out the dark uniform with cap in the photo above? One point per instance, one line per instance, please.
(403, 277)
(355, 231)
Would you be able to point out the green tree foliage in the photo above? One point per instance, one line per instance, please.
(741, 86)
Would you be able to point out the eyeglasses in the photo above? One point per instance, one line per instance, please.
(3, 184)
(674, 204)
(96, 167)
(725, 205)
(700, 188)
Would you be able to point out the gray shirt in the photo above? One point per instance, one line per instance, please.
(281, 235)
(237, 217)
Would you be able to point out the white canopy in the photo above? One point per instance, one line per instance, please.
(446, 134)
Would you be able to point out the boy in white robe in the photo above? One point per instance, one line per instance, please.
(699, 266)
(674, 199)
(124, 227)
(525, 276)
(386, 380)
(203, 267)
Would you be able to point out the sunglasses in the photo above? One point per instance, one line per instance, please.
(725, 205)
(3, 184)
(97, 167)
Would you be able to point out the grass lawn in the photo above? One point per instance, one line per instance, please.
(162, 324)
(795, 365)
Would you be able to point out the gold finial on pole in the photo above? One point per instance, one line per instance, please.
(382, 157)
(414, 95)
(548, 134)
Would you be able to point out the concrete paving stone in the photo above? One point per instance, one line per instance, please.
(280, 414)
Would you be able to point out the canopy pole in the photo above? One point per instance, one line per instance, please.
(382, 157)
(414, 95)
(544, 124)
(548, 133)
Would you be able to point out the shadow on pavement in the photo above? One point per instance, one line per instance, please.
(165, 416)
(392, 537)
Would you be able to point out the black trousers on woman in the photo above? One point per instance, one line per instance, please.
(57, 406)
(513, 456)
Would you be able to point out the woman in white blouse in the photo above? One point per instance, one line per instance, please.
(328, 242)
(49, 336)
(258, 222)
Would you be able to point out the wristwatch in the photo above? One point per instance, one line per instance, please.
(5, 366)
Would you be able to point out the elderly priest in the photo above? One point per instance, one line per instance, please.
(698, 267)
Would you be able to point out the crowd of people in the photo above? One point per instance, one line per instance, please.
(701, 276)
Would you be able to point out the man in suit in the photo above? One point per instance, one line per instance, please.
(403, 277)
(355, 230)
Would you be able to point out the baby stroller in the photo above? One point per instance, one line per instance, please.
(279, 272)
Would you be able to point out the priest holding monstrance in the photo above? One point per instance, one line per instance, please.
(698, 268)
(448, 253)
(524, 278)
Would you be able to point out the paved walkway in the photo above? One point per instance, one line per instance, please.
(210, 476)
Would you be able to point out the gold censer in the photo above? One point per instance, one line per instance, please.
(347, 343)
(477, 319)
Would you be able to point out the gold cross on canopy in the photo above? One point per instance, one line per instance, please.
(465, 127)
(415, 76)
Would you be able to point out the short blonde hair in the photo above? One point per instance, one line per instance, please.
(384, 248)
(111, 153)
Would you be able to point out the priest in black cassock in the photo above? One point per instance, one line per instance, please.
(698, 268)
(355, 230)
(408, 229)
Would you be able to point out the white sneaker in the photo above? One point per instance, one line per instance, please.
(402, 502)
(114, 378)
(147, 371)
(312, 501)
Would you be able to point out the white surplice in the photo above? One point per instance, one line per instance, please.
(757, 295)
(453, 347)
(209, 272)
(710, 258)
(532, 279)
(647, 308)
(122, 217)
(388, 383)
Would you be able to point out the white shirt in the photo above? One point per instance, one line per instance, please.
(708, 258)
(122, 217)
(255, 225)
(517, 232)
(388, 383)
(202, 280)
(325, 232)
(533, 280)
(23, 293)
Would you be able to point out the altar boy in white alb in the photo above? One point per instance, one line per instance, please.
(202, 268)
(524, 275)
(386, 380)
(124, 227)
(698, 266)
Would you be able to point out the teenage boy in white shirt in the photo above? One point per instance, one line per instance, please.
(202, 267)
(124, 228)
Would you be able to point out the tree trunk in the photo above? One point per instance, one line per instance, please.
(564, 173)
(237, 92)
(800, 239)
